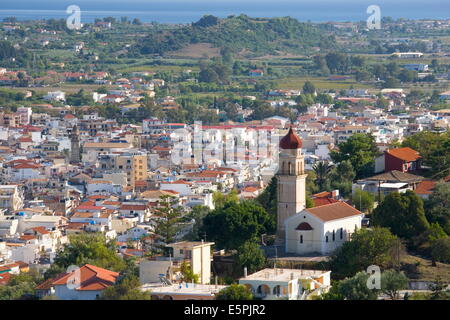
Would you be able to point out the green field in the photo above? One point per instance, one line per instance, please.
(320, 83)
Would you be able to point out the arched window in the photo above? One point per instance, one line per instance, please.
(263, 290)
(334, 236)
(290, 168)
(326, 238)
(342, 233)
(301, 238)
(277, 290)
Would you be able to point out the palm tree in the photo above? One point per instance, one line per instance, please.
(322, 170)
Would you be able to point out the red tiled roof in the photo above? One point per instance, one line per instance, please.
(425, 187)
(40, 230)
(26, 166)
(27, 237)
(132, 207)
(405, 154)
(334, 211)
(91, 278)
(323, 201)
(324, 194)
(250, 189)
(5, 278)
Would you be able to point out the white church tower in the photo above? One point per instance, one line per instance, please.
(291, 179)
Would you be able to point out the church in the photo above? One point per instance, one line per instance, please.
(301, 230)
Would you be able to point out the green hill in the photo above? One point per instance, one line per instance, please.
(255, 36)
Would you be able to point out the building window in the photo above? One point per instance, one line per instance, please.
(342, 233)
(301, 238)
(334, 235)
(181, 251)
(326, 238)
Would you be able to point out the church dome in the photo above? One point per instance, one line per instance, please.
(291, 141)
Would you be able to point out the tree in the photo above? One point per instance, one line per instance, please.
(198, 213)
(437, 207)
(355, 288)
(309, 88)
(337, 62)
(235, 292)
(220, 199)
(363, 200)
(362, 75)
(391, 82)
(435, 150)
(168, 216)
(268, 198)
(440, 250)
(126, 288)
(21, 286)
(392, 282)
(333, 294)
(206, 21)
(233, 224)
(361, 150)
(439, 290)
(342, 177)
(403, 214)
(187, 275)
(367, 247)
(323, 171)
(250, 256)
(84, 249)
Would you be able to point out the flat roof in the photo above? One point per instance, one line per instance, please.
(190, 244)
(182, 288)
(283, 275)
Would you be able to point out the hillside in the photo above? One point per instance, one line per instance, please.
(254, 36)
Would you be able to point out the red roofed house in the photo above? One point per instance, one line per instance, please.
(426, 187)
(256, 73)
(84, 283)
(400, 159)
(324, 198)
(142, 211)
(24, 170)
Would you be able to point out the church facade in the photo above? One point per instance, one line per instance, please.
(301, 230)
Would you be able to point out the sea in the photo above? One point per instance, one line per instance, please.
(187, 11)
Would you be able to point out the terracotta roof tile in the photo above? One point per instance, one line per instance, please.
(405, 154)
(91, 278)
(334, 211)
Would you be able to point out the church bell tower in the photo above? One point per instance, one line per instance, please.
(291, 178)
(75, 146)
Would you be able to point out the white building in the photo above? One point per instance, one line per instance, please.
(55, 95)
(198, 254)
(321, 229)
(287, 284)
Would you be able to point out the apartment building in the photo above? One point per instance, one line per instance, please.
(133, 163)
